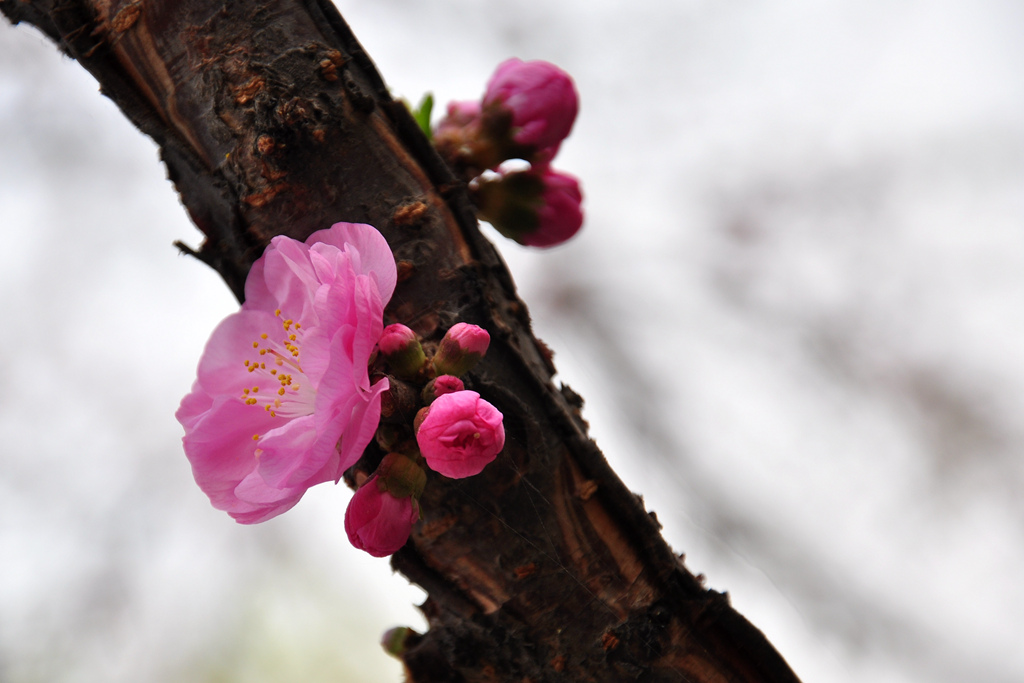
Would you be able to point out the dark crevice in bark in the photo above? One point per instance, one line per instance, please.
(272, 120)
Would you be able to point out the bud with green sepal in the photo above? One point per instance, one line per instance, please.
(537, 208)
(461, 349)
(402, 350)
(439, 386)
(382, 511)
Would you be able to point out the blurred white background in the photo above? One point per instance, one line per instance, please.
(796, 312)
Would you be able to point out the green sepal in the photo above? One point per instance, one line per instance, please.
(400, 476)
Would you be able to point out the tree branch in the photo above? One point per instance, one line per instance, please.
(272, 120)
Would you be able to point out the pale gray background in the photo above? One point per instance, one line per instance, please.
(795, 312)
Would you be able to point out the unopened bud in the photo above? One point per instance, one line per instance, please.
(401, 348)
(439, 386)
(462, 348)
(378, 520)
(536, 208)
(540, 98)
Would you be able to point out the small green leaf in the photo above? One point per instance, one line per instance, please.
(422, 114)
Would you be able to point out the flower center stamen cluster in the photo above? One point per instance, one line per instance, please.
(289, 393)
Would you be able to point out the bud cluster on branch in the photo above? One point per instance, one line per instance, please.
(526, 112)
(289, 392)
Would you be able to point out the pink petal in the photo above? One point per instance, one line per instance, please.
(193, 407)
(363, 421)
(375, 257)
(290, 280)
(258, 502)
(287, 459)
(220, 447)
(222, 366)
(347, 411)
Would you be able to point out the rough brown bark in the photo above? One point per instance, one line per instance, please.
(272, 120)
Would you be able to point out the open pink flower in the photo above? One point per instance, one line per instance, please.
(283, 399)
(541, 98)
(460, 434)
(377, 521)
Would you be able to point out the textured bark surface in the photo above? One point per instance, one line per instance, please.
(272, 120)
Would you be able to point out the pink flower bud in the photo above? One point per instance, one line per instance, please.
(538, 208)
(460, 116)
(541, 98)
(560, 215)
(377, 521)
(460, 434)
(462, 348)
(441, 385)
(402, 350)
(396, 338)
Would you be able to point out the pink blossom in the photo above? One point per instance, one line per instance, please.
(460, 434)
(541, 98)
(560, 214)
(283, 399)
(378, 522)
(462, 347)
(460, 116)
